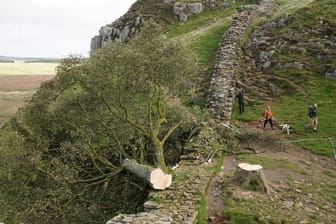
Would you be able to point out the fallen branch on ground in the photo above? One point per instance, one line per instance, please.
(157, 179)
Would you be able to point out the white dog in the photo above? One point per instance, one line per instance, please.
(286, 128)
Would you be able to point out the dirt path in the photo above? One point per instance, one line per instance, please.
(302, 184)
(215, 204)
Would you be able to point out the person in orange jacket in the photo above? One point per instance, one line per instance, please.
(268, 115)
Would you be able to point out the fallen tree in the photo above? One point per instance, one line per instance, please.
(157, 179)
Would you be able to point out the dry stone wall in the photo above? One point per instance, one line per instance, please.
(223, 81)
(179, 203)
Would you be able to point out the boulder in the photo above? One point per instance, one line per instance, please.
(184, 10)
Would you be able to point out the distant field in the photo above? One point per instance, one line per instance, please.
(16, 90)
(27, 68)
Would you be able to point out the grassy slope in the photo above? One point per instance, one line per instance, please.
(290, 108)
(27, 68)
(311, 85)
(203, 33)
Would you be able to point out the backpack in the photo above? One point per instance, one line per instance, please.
(309, 111)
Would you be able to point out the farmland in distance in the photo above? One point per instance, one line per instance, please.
(18, 82)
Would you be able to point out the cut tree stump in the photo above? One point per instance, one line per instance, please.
(157, 179)
(250, 177)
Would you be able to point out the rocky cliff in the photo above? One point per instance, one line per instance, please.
(278, 55)
(161, 11)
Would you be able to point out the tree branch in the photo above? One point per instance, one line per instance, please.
(171, 130)
(133, 124)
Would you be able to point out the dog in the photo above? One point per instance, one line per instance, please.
(286, 128)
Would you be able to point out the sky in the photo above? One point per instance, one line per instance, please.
(54, 28)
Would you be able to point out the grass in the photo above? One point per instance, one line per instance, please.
(258, 208)
(286, 6)
(157, 199)
(303, 86)
(293, 109)
(206, 45)
(216, 168)
(27, 68)
(238, 217)
(270, 163)
(199, 21)
(201, 210)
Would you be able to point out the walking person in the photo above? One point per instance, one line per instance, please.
(268, 115)
(240, 97)
(313, 116)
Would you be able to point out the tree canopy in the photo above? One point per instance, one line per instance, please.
(79, 127)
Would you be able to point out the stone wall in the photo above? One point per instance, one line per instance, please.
(223, 81)
(179, 203)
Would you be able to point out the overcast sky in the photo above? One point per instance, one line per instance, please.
(54, 28)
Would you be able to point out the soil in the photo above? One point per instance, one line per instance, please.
(22, 82)
(15, 91)
(304, 169)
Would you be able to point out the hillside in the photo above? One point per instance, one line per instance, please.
(62, 154)
(290, 63)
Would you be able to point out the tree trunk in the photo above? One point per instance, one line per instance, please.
(157, 179)
(251, 177)
(159, 154)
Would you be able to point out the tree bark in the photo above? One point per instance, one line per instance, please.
(157, 179)
(251, 177)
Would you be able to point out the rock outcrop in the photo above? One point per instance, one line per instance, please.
(121, 29)
(183, 10)
(223, 81)
(278, 46)
(129, 24)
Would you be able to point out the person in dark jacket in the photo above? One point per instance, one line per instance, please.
(240, 97)
(313, 116)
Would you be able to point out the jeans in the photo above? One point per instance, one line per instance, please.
(268, 120)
